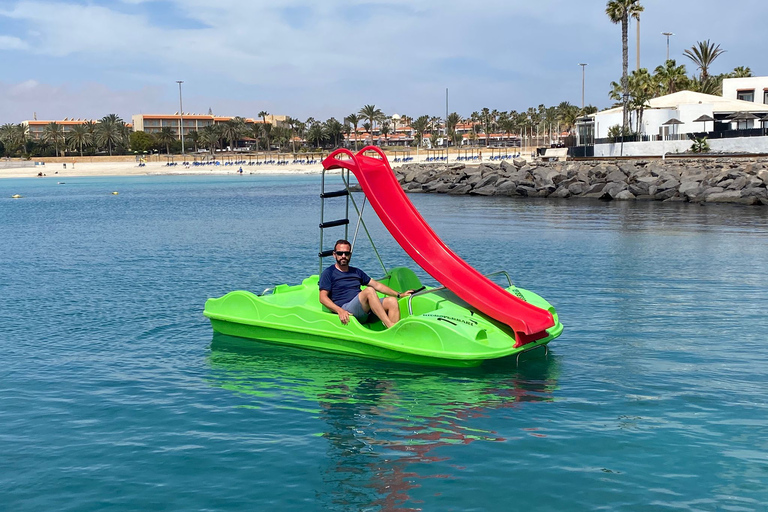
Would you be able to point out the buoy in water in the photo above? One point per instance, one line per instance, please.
(16, 196)
(114, 193)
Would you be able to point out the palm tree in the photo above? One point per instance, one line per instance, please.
(643, 87)
(195, 137)
(53, 134)
(109, 132)
(372, 114)
(263, 115)
(741, 72)
(291, 122)
(619, 11)
(316, 134)
(166, 136)
(703, 54)
(233, 130)
(671, 76)
(334, 129)
(420, 126)
(78, 137)
(211, 135)
(352, 119)
(567, 114)
(13, 136)
(384, 129)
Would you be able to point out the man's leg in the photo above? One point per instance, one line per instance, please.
(371, 302)
(392, 309)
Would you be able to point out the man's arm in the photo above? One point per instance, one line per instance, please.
(386, 290)
(326, 301)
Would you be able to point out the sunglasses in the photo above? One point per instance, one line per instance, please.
(343, 253)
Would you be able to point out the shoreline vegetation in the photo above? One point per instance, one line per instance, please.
(724, 179)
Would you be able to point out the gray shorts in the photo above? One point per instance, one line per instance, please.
(356, 310)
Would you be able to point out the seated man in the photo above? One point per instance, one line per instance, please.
(340, 291)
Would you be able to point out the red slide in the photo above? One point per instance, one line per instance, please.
(414, 235)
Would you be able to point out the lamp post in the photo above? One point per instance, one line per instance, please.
(583, 74)
(181, 117)
(667, 34)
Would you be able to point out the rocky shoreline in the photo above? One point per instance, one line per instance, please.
(726, 180)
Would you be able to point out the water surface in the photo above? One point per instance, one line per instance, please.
(116, 395)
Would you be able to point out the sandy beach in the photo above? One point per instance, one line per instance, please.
(111, 168)
(127, 166)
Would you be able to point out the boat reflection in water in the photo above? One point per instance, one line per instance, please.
(383, 422)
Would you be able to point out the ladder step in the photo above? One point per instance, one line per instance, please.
(334, 223)
(337, 193)
(325, 254)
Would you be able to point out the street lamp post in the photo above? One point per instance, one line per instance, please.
(667, 34)
(583, 74)
(181, 117)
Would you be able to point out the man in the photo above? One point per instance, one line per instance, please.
(340, 291)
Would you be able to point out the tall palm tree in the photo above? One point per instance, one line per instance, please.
(166, 136)
(233, 130)
(671, 77)
(109, 132)
(78, 137)
(384, 129)
(316, 134)
(334, 129)
(53, 134)
(354, 120)
(372, 114)
(263, 115)
(195, 137)
(420, 126)
(211, 136)
(620, 11)
(703, 54)
(291, 122)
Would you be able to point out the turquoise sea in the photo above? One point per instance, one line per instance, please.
(115, 394)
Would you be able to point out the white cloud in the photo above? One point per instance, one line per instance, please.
(12, 43)
(327, 58)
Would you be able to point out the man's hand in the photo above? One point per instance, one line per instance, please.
(344, 316)
(406, 293)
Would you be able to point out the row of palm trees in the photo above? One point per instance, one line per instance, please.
(485, 121)
(109, 134)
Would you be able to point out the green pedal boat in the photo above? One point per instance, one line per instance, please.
(467, 320)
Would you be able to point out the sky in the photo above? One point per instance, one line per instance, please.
(323, 58)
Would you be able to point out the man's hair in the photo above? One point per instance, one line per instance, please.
(341, 242)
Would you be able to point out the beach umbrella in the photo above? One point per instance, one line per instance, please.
(673, 122)
(742, 116)
(704, 119)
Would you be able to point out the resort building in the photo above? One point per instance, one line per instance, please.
(35, 128)
(669, 124)
(154, 123)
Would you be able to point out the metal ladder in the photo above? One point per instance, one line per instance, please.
(345, 192)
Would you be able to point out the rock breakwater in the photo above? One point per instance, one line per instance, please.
(722, 180)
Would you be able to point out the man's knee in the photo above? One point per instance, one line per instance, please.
(369, 293)
(390, 302)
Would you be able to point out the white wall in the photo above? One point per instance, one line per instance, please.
(732, 85)
(653, 119)
(655, 148)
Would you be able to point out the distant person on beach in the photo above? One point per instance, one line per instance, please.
(340, 291)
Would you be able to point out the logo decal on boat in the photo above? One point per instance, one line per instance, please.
(466, 321)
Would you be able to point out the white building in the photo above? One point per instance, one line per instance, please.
(669, 124)
(753, 89)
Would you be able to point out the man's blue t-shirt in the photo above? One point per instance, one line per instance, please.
(342, 287)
